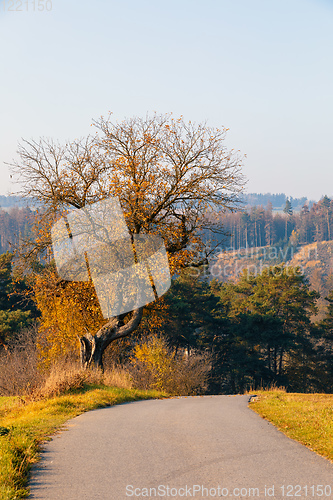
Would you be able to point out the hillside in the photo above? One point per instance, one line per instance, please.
(278, 200)
(315, 261)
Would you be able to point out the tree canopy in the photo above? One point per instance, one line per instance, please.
(166, 173)
(258, 330)
(17, 310)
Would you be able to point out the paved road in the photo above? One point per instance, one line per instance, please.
(216, 447)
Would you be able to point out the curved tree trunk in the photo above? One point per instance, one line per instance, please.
(92, 347)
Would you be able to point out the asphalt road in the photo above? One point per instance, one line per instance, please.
(198, 447)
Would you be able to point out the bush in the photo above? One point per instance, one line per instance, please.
(23, 374)
(63, 378)
(155, 366)
(18, 365)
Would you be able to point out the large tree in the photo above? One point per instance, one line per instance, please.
(166, 173)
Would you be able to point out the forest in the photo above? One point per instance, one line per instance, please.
(249, 226)
(259, 226)
(15, 226)
(258, 331)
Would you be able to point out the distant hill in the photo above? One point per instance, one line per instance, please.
(250, 199)
(12, 201)
(278, 201)
(15, 201)
(315, 261)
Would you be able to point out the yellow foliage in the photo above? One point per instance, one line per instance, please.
(154, 365)
(68, 310)
(156, 359)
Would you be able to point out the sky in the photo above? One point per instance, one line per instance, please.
(261, 68)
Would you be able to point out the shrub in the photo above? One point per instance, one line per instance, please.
(23, 374)
(18, 365)
(155, 366)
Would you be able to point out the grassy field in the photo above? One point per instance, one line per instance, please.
(24, 425)
(307, 418)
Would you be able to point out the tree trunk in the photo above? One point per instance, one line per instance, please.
(328, 226)
(92, 347)
(281, 361)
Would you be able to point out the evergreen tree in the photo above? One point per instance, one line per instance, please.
(325, 346)
(304, 224)
(189, 310)
(326, 204)
(17, 310)
(263, 327)
(288, 210)
(283, 293)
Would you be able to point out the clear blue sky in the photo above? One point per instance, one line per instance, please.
(262, 68)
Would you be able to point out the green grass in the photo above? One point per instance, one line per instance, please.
(31, 423)
(307, 418)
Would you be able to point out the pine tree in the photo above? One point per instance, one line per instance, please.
(288, 210)
(325, 347)
(326, 203)
(16, 309)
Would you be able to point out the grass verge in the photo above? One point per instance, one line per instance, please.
(307, 418)
(31, 423)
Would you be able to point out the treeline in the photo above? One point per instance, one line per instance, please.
(249, 199)
(254, 333)
(253, 226)
(12, 201)
(257, 332)
(17, 309)
(278, 201)
(259, 226)
(15, 226)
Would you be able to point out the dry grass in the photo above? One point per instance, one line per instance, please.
(62, 379)
(18, 366)
(269, 387)
(307, 418)
(67, 377)
(118, 376)
(21, 373)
